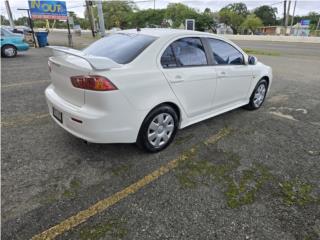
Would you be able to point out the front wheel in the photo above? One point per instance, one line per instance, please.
(158, 129)
(9, 51)
(258, 95)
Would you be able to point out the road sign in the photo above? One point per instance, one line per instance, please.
(305, 22)
(48, 9)
(190, 24)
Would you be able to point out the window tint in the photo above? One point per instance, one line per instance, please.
(121, 48)
(168, 59)
(224, 53)
(189, 52)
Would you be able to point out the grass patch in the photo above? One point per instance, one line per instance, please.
(120, 170)
(113, 228)
(71, 192)
(295, 192)
(260, 52)
(244, 190)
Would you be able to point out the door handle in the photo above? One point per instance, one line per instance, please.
(222, 74)
(177, 79)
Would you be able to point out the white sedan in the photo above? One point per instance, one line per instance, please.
(143, 85)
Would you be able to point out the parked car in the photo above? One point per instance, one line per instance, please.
(11, 43)
(142, 86)
(22, 30)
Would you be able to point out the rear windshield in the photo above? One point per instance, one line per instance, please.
(121, 48)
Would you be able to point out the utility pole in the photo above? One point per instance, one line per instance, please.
(294, 10)
(9, 13)
(318, 24)
(284, 12)
(287, 18)
(30, 24)
(70, 43)
(154, 4)
(101, 19)
(89, 12)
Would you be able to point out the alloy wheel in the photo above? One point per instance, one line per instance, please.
(259, 95)
(10, 51)
(160, 129)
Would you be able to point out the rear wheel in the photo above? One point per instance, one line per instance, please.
(9, 51)
(158, 129)
(258, 95)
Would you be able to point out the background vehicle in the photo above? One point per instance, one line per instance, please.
(11, 43)
(141, 86)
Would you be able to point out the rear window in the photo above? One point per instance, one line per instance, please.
(121, 48)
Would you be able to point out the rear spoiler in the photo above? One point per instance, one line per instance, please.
(97, 63)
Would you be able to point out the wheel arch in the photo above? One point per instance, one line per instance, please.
(175, 107)
(266, 78)
(171, 104)
(8, 44)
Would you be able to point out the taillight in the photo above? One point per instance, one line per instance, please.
(49, 66)
(93, 82)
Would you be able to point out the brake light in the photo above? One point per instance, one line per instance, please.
(93, 82)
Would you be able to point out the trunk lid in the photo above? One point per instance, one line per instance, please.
(62, 68)
(68, 62)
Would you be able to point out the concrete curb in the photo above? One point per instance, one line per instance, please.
(272, 38)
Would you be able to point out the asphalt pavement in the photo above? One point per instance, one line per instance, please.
(241, 175)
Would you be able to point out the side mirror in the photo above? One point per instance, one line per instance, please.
(252, 60)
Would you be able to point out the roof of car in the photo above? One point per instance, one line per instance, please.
(161, 32)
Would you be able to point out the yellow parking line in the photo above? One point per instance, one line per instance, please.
(104, 204)
(23, 83)
(24, 120)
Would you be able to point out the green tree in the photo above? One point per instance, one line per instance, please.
(312, 16)
(231, 19)
(267, 14)
(238, 8)
(3, 20)
(116, 13)
(178, 13)
(252, 22)
(84, 23)
(205, 21)
(22, 21)
(146, 18)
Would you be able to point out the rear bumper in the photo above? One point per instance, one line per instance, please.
(98, 126)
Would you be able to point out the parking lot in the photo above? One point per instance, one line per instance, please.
(241, 175)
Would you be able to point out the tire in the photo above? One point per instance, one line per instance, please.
(258, 95)
(9, 51)
(158, 129)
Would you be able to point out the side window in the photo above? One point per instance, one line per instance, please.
(224, 53)
(189, 52)
(168, 59)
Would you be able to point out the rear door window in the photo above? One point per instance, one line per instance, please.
(168, 59)
(120, 47)
(189, 52)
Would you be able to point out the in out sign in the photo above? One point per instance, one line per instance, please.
(48, 9)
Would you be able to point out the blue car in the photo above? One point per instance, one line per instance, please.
(11, 43)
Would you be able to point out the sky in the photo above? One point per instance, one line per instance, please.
(303, 6)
